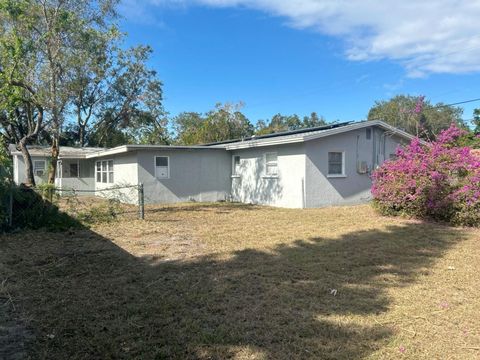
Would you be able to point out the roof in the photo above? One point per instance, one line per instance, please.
(283, 133)
(303, 135)
(128, 148)
(66, 152)
(286, 137)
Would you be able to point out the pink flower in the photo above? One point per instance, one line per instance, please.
(402, 349)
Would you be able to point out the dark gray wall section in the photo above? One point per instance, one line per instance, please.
(196, 174)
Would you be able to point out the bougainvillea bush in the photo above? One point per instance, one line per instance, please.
(437, 180)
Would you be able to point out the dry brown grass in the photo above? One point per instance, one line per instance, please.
(244, 282)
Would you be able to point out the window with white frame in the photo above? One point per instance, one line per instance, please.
(162, 167)
(271, 164)
(104, 171)
(39, 167)
(236, 165)
(336, 163)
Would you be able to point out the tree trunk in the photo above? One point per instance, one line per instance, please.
(27, 159)
(81, 134)
(53, 164)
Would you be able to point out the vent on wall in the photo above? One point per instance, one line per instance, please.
(368, 133)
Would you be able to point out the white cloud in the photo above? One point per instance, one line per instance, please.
(425, 36)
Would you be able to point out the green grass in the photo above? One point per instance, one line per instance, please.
(205, 281)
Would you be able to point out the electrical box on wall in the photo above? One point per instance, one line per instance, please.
(362, 167)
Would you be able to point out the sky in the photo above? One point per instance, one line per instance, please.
(334, 57)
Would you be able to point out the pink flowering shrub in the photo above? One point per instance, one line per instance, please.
(438, 180)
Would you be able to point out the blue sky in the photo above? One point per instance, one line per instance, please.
(279, 59)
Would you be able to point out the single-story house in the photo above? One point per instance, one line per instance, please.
(326, 165)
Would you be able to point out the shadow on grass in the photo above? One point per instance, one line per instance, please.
(86, 298)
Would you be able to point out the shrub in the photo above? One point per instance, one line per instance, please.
(101, 213)
(438, 180)
(31, 211)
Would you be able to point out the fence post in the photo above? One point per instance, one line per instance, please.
(141, 202)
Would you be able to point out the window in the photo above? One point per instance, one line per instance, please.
(236, 165)
(162, 167)
(368, 133)
(271, 164)
(104, 170)
(73, 170)
(336, 164)
(39, 167)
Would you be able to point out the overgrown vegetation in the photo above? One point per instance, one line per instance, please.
(439, 180)
(36, 209)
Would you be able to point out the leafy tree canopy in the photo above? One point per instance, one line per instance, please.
(280, 123)
(416, 115)
(225, 122)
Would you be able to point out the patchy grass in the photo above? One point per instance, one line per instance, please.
(205, 281)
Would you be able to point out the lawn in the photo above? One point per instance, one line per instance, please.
(216, 281)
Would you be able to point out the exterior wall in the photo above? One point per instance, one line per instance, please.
(322, 190)
(19, 168)
(85, 182)
(125, 173)
(198, 175)
(253, 186)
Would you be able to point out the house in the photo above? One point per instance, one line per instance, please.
(327, 165)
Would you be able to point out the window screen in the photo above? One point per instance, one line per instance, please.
(335, 163)
(236, 165)
(271, 164)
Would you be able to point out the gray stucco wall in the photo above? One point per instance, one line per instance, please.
(253, 186)
(196, 174)
(322, 190)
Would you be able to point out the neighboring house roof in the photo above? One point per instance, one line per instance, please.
(66, 152)
(303, 135)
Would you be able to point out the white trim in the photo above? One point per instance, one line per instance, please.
(343, 174)
(155, 166)
(15, 169)
(108, 171)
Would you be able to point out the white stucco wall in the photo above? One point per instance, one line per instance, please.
(322, 190)
(125, 173)
(195, 174)
(253, 186)
(19, 166)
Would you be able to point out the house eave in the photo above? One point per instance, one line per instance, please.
(129, 148)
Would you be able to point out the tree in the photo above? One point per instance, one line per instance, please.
(476, 121)
(132, 104)
(22, 89)
(313, 120)
(21, 122)
(55, 34)
(416, 115)
(187, 127)
(280, 123)
(225, 122)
